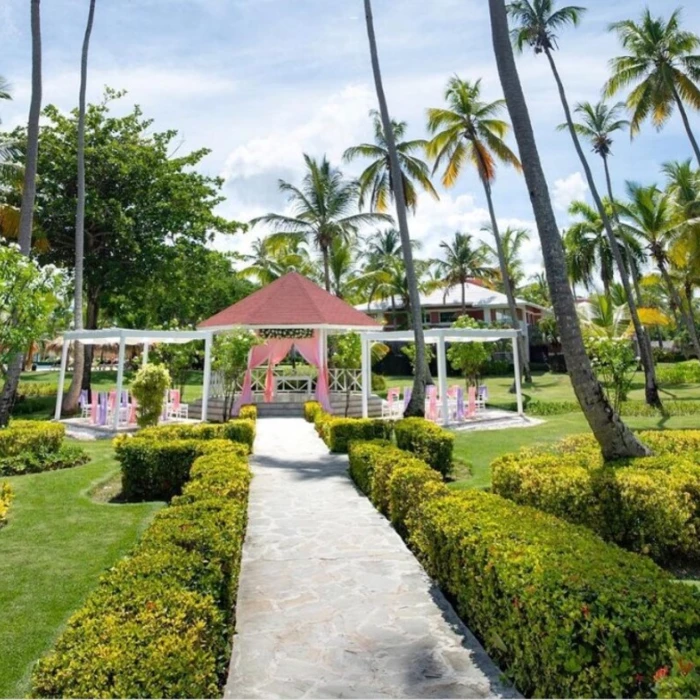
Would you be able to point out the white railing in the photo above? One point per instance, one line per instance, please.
(340, 381)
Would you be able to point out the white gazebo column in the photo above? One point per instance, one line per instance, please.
(366, 375)
(120, 380)
(518, 384)
(61, 379)
(144, 359)
(442, 379)
(208, 341)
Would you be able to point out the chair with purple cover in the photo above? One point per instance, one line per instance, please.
(407, 392)
(459, 415)
(85, 405)
(482, 397)
(103, 409)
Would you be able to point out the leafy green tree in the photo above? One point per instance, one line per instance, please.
(149, 387)
(469, 130)
(614, 437)
(376, 182)
(462, 260)
(663, 64)
(142, 201)
(616, 363)
(410, 351)
(537, 290)
(469, 358)
(30, 295)
(230, 359)
(325, 208)
(537, 24)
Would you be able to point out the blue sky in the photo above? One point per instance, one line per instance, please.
(261, 81)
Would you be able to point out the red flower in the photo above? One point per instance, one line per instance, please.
(660, 674)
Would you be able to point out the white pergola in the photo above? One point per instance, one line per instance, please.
(439, 337)
(123, 337)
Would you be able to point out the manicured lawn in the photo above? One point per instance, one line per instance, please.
(57, 543)
(478, 449)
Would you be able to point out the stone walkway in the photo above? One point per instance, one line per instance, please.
(331, 602)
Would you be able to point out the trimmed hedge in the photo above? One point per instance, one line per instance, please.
(338, 433)
(649, 505)
(65, 457)
(6, 497)
(26, 436)
(249, 412)
(156, 470)
(238, 430)
(311, 411)
(427, 441)
(562, 612)
(634, 409)
(679, 373)
(160, 622)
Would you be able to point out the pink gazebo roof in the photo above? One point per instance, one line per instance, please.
(292, 301)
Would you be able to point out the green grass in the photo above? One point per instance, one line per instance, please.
(52, 551)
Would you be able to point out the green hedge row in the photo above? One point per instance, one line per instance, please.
(649, 505)
(312, 409)
(156, 470)
(238, 430)
(428, 441)
(678, 373)
(631, 409)
(6, 497)
(338, 433)
(26, 436)
(249, 412)
(562, 612)
(160, 622)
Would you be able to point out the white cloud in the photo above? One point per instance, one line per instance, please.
(568, 190)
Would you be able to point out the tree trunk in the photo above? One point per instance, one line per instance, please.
(686, 124)
(688, 288)
(464, 298)
(507, 284)
(326, 269)
(416, 406)
(93, 311)
(673, 293)
(651, 389)
(70, 403)
(615, 439)
(26, 216)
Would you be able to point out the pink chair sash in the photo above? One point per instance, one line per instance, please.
(471, 406)
(432, 412)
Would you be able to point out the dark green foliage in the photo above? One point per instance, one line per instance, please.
(427, 441)
(238, 430)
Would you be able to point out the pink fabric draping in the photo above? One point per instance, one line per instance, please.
(273, 352)
(310, 350)
(279, 349)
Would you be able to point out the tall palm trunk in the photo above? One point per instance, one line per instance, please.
(464, 297)
(507, 284)
(686, 124)
(676, 297)
(614, 437)
(651, 388)
(688, 288)
(326, 268)
(631, 270)
(26, 218)
(70, 403)
(416, 406)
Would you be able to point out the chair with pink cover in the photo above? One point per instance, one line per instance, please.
(392, 408)
(471, 402)
(431, 403)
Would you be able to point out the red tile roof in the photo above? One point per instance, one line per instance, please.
(291, 301)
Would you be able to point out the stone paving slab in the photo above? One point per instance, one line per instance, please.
(331, 603)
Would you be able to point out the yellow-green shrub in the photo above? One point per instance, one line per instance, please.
(649, 505)
(311, 411)
(35, 437)
(562, 612)
(160, 622)
(249, 412)
(427, 441)
(338, 433)
(238, 430)
(6, 497)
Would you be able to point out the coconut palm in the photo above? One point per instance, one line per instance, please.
(536, 25)
(324, 209)
(663, 65)
(376, 184)
(588, 250)
(603, 318)
(513, 240)
(464, 258)
(6, 150)
(614, 437)
(269, 259)
(70, 402)
(26, 216)
(537, 290)
(598, 122)
(650, 215)
(469, 130)
(416, 406)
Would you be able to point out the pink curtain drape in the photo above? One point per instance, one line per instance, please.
(279, 349)
(310, 350)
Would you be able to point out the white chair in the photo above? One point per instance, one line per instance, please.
(392, 408)
(176, 409)
(482, 397)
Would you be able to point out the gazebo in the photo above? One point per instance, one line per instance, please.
(291, 312)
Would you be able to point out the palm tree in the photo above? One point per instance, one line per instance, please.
(6, 150)
(26, 217)
(272, 258)
(513, 240)
(603, 318)
(70, 402)
(663, 64)
(650, 216)
(536, 25)
(376, 182)
(324, 209)
(469, 130)
(614, 437)
(462, 261)
(537, 290)
(588, 250)
(416, 406)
